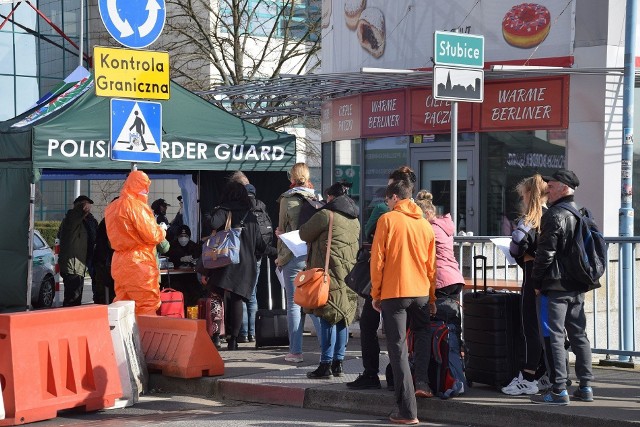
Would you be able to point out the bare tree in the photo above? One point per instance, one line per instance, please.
(230, 42)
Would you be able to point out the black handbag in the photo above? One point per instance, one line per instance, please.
(359, 278)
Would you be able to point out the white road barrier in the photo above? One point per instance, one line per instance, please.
(128, 350)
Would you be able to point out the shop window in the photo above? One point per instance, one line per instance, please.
(346, 166)
(381, 157)
(505, 159)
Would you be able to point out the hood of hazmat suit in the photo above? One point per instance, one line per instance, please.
(134, 234)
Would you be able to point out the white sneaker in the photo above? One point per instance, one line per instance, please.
(295, 358)
(543, 383)
(519, 386)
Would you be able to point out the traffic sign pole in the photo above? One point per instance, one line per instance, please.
(454, 164)
(464, 81)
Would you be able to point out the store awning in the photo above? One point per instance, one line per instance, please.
(302, 96)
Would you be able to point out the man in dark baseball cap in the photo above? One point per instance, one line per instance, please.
(159, 208)
(564, 176)
(82, 198)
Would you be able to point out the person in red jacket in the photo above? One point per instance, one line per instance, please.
(134, 234)
(403, 284)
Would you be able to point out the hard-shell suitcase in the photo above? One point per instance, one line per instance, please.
(212, 310)
(492, 333)
(271, 325)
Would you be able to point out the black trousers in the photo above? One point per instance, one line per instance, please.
(529, 318)
(369, 322)
(73, 285)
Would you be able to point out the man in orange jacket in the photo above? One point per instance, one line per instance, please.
(134, 234)
(403, 284)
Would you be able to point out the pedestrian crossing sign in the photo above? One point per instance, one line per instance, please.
(136, 131)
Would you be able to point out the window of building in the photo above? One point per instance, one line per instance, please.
(33, 53)
(381, 157)
(346, 166)
(505, 159)
(260, 17)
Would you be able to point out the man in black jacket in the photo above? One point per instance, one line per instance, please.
(560, 298)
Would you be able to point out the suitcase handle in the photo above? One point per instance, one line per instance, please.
(484, 272)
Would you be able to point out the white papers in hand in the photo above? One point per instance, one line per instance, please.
(294, 243)
(503, 244)
(280, 276)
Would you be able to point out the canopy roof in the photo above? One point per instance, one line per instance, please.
(70, 130)
(196, 135)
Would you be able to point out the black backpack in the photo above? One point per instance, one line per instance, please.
(310, 206)
(264, 221)
(588, 253)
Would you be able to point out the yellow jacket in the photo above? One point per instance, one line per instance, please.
(403, 255)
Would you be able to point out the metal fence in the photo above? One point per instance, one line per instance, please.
(602, 306)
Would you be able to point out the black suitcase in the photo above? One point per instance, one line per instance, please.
(271, 325)
(492, 333)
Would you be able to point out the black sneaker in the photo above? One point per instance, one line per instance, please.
(251, 338)
(336, 368)
(242, 339)
(364, 382)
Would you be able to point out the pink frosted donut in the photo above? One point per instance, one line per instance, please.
(526, 25)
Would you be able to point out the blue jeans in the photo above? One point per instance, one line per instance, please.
(294, 315)
(333, 340)
(250, 308)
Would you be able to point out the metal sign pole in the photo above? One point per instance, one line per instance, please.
(32, 201)
(626, 205)
(454, 164)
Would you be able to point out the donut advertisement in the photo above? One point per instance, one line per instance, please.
(399, 33)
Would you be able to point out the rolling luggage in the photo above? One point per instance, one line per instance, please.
(212, 310)
(492, 333)
(271, 325)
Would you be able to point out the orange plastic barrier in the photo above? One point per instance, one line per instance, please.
(56, 359)
(179, 347)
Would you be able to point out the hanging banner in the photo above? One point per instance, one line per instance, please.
(397, 34)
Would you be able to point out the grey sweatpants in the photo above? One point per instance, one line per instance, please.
(395, 312)
(558, 311)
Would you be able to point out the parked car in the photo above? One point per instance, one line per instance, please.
(43, 285)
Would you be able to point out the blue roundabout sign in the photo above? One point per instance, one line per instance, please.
(133, 23)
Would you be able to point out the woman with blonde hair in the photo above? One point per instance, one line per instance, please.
(291, 202)
(524, 242)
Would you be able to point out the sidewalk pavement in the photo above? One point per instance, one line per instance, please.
(262, 376)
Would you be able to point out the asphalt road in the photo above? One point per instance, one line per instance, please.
(159, 410)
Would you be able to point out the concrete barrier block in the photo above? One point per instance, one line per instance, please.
(1, 404)
(128, 350)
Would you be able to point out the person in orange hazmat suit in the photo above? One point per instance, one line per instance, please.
(134, 234)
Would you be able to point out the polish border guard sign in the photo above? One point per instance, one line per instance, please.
(133, 23)
(136, 131)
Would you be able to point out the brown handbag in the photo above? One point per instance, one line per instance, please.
(312, 285)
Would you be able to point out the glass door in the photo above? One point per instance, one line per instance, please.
(433, 166)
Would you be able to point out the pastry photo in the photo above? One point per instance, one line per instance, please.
(326, 13)
(352, 11)
(371, 31)
(526, 25)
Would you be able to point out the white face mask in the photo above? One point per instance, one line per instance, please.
(183, 241)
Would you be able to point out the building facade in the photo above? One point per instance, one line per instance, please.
(528, 123)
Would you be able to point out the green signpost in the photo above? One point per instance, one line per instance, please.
(458, 49)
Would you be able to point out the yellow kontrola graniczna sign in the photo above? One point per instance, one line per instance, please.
(131, 73)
